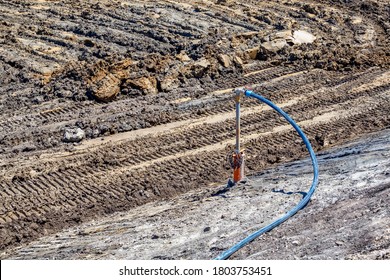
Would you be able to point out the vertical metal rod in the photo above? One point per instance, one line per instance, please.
(238, 94)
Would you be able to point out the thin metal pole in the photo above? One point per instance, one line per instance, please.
(238, 130)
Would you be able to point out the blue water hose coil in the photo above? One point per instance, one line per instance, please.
(304, 200)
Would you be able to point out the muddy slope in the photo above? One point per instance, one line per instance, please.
(107, 105)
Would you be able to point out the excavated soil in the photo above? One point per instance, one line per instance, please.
(347, 218)
(108, 105)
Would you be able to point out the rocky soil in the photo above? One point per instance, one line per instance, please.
(106, 106)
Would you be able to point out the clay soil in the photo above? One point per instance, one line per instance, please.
(144, 89)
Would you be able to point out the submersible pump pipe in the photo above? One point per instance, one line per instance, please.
(238, 129)
(304, 200)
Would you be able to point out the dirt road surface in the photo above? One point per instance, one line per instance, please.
(348, 217)
(108, 105)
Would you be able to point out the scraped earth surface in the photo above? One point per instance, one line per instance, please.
(106, 106)
(348, 217)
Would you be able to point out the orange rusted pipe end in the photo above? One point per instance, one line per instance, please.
(238, 169)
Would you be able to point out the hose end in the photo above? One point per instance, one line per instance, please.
(248, 93)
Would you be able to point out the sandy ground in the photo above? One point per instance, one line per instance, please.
(348, 217)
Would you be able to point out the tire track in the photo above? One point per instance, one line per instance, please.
(193, 165)
(157, 146)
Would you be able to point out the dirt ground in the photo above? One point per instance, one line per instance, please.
(347, 218)
(108, 106)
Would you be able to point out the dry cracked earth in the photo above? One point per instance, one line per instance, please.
(110, 108)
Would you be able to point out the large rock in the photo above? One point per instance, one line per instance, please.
(285, 35)
(274, 45)
(200, 67)
(148, 85)
(303, 37)
(252, 53)
(73, 135)
(238, 61)
(202, 63)
(183, 57)
(104, 86)
(224, 60)
(281, 39)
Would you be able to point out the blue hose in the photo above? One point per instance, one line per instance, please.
(304, 200)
